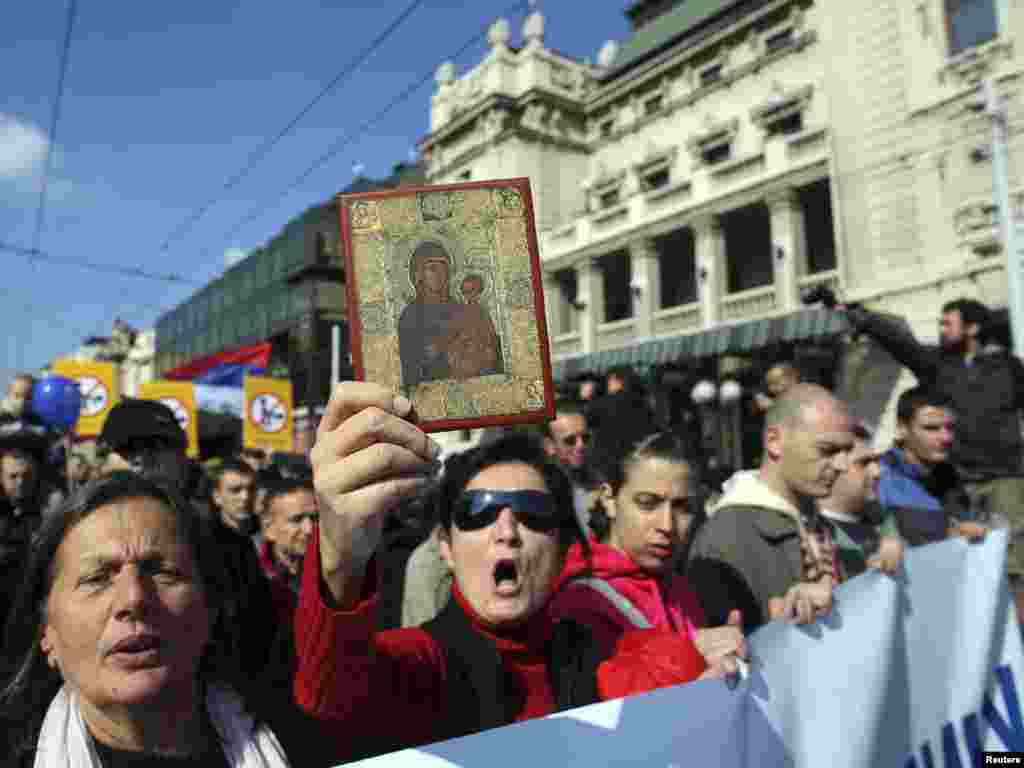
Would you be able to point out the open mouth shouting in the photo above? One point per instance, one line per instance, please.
(506, 577)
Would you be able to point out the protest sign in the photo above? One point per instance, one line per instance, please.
(917, 671)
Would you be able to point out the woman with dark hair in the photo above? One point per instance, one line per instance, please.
(493, 656)
(112, 649)
(648, 506)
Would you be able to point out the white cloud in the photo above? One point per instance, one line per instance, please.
(234, 255)
(22, 148)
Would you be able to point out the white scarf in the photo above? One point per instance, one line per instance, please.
(64, 741)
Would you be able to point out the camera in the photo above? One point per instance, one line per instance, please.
(821, 294)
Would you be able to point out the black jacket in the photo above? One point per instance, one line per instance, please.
(988, 395)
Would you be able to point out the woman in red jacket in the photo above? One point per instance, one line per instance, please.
(625, 578)
(494, 656)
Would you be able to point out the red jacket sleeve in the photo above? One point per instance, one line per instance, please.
(647, 659)
(367, 682)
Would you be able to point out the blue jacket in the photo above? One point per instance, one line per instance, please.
(924, 506)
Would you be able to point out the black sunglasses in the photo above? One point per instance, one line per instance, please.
(570, 440)
(477, 509)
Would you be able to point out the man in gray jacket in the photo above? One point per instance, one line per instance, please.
(765, 550)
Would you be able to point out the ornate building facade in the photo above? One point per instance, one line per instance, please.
(732, 155)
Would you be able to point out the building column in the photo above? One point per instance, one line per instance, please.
(645, 285)
(789, 247)
(710, 244)
(553, 305)
(590, 293)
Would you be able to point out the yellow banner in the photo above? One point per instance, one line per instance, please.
(99, 385)
(269, 420)
(179, 396)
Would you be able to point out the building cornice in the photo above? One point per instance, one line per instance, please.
(729, 77)
(522, 118)
(680, 53)
(465, 120)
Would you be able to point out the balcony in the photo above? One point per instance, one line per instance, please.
(748, 304)
(682, 319)
(829, 279)
(617, 334)
(565, 344)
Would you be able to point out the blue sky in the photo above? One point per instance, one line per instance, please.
(164, 102)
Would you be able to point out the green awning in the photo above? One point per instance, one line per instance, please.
(730, 339)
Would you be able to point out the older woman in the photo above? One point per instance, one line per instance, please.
(112, 644)
(493, 656)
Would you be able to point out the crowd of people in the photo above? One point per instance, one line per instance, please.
(234, 613)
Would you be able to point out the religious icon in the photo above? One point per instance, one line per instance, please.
(445, 302)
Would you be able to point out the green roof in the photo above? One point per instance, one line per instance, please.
(667, 28)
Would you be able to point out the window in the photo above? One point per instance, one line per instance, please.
(656, 180)
(568, 304)
(618, 298)
(786, 126)
(610, 198)
(323, 255)
(778, 40)
(816, 202)
(653, 105)
(607, 128)
(717, 154)
(711, 75)
(748, 248)
(970, 23)
(677, 266)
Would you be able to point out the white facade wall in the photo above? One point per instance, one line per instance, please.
(885, 119)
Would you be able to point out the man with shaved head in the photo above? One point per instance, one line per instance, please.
(766, 550)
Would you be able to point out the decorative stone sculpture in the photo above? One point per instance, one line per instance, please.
(445, 74)
(607, 54)
(533, 30)
(499, 34)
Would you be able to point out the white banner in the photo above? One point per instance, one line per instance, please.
(921, 671)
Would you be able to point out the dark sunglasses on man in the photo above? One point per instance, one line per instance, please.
(477, 509)
(570, 441)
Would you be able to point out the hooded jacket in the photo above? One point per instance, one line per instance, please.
(666, 602)
(988, 394)
(746, 553)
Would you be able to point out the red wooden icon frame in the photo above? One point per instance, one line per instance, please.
(520, 185)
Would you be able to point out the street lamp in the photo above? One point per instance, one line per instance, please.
(730, 394)
(703, 393)
(704, 396)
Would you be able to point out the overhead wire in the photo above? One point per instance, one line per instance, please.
(336, 147)
(115, 269)
(264, 149)
(54, 121)
(352, 136)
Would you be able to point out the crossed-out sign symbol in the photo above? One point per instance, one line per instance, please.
(268, 413)
(94, 395)
(180, 411)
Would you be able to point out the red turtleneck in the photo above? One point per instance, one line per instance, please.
(390, 686)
